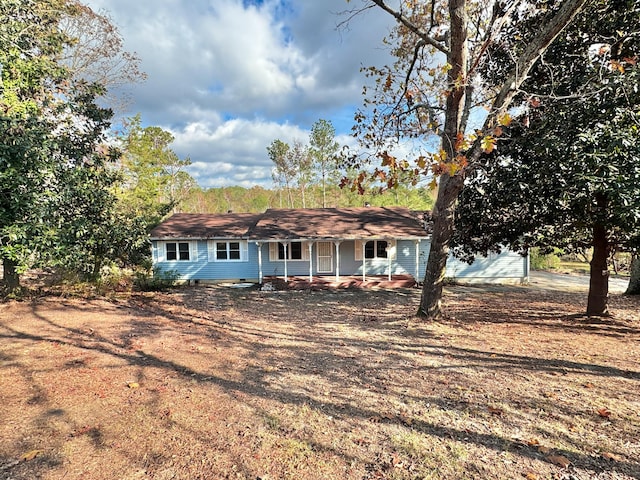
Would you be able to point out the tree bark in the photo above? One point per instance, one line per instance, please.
(443, 225)
(449, 186)
(597, 302)
(10, 275)
(634, 280)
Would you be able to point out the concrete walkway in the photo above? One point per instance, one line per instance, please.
(572, 282)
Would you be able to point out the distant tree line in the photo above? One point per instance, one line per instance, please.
(312, 174)
(257, 199)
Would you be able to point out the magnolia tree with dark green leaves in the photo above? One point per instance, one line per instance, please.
(54, 173)
(29, 42)
(92, 230)
(434, 87)
(567, 171)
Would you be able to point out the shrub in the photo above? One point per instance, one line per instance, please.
(542, 261)
(155, 280)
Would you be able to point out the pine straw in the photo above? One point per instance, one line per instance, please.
(213, 382)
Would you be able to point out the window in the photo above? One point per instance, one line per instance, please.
(228, 251)
(375, 249)
(295, 251)
(177, 251)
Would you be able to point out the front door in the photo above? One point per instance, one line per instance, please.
(325, 257)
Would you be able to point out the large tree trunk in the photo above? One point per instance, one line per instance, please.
(449, 186)
(10, 275)
(597, 302)
(634, 280)
(443, 225)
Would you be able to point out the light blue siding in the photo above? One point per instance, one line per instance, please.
(504, 266)
(200, 268)
(507, 266)
(404, 263)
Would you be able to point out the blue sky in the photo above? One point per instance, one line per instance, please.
(227, 77)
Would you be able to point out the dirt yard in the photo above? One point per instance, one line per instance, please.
(216, 383)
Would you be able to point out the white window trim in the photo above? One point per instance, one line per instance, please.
(273, 252)
(212, 248)
(193, 251)
(359, 249)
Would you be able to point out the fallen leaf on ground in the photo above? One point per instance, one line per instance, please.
(82, 431)
(533, 442)
(396, 461)
(531, 476)
(544, 450)
(559, 460)
(495, 411)
(30, 455)
(133, 385)
(611, 456)
(604, 412)
(405, 419)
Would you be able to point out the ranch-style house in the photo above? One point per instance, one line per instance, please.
(367, 243)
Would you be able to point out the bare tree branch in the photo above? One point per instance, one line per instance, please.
(403, 20)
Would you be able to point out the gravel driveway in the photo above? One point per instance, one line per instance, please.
(571, 282)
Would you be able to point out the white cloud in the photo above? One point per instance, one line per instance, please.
(235, 149)
(227, 77)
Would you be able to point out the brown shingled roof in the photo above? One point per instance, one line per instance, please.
(338, 223)
(311, 223)
(202, 225)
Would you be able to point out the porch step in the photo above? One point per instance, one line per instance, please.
(330, 283)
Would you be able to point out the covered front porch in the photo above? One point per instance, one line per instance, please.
(339, 262)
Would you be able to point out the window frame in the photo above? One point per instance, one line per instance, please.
(360, 249)
(275, 248)
(191, 251)
(213, 249)
(376, 250)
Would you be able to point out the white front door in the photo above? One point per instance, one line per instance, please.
(325, 257)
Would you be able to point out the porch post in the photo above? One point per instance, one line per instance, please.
(417, 242)
(286, 248)
(389, 255)
(337, 244)
(259, 244)
(364, 262)
(310, 245)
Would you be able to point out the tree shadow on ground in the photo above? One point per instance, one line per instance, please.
(382, 356)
